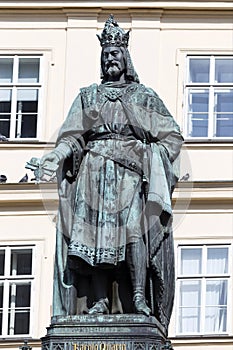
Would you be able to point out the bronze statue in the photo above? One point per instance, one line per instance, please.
(115, 158)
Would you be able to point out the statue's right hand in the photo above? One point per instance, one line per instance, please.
(44, 167)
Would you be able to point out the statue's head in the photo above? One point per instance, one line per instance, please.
(116, 64)
(113, 63)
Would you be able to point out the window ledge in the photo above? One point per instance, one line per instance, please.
(26, 144)
(202, 339)
(24, 141)
(200, 140)
(204, 336)
(200, 144)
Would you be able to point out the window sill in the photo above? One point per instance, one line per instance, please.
(208, 141)
(203, 144)
(18, 339)
(205, 336)
(202, 339)
(33, 144)
(24, 141)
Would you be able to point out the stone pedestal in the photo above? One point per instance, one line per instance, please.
(105, 332)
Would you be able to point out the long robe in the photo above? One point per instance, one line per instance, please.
(116, 188)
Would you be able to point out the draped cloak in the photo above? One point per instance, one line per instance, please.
(116, 186)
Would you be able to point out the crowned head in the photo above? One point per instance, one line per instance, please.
(113, 35)
(116, 63)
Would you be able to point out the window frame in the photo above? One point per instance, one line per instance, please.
(7, 279)
(211, 87)
(203, 277)
(14, 86)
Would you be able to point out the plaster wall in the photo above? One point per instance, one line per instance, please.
(158, 45)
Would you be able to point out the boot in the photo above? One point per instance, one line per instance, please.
(136, 261)
(100, 285)
(100, 307)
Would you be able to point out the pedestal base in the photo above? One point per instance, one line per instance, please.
(105, 332)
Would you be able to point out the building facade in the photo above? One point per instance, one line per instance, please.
(184, 51)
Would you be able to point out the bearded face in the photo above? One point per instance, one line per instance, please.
(113, 64)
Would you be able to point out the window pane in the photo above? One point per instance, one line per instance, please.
(216, 306)
(28, 126)
(199, 70)
(216, 319)
(1, 306)
(29, 70)
(23, 295)
(27, 95)
(189, 320)
(2, 261)
(224, 70)
(224, 127)
(6, 70)
(19, 295)
(27, 107)
(21, 262)
(22, 319)
(198, 113)
(18, 322)
(1, 296)
(198, 101)
(5, 100)
(217, 260)
(5, 110)
(224, 101)
(190, 293)
(198, 125)
(190, 301)
(0, 322)
(224, 113)
(216, 293)
(5, 125)
(19, 308)
(191, 261)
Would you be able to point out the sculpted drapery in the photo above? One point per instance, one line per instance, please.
(115, 187)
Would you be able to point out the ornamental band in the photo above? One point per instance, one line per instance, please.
(116, 158)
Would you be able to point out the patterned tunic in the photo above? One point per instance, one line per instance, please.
(109, 199)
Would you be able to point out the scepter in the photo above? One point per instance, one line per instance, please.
(41, 172)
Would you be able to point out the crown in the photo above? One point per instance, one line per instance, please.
(112, 34)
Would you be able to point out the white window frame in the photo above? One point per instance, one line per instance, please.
(14, 85)
(8, 278)
(203, 277)
(211, 86)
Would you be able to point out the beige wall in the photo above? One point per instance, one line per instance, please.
(159, 41)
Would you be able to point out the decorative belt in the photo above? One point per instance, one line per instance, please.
(125, 162)
(112, 136)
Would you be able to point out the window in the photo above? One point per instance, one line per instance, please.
(203, 289)
(20, 87)
(16, 281)
(209, 97)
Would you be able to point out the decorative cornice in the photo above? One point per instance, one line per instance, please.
(119, 4)
(32, 195)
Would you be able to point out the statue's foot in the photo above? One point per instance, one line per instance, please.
(100, 307)
(140, 306)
